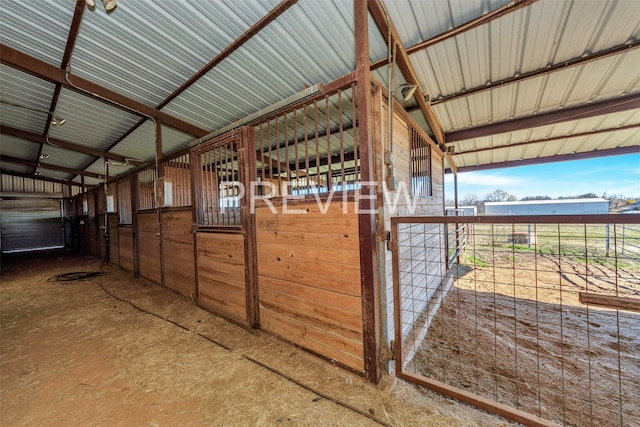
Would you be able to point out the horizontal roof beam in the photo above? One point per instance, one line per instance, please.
(618, 151)
(58, 143)
(51, 73)
(29, 163)
(616, 50)
(39, 178)
(469, 25)
(615, 105)
(554, 138)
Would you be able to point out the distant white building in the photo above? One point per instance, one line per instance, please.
(462, 210)
(549, 207)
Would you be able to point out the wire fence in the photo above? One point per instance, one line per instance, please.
(534, 318)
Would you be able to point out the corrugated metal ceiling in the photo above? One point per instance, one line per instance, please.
(146, 49)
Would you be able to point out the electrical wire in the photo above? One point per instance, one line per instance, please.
(250, 359)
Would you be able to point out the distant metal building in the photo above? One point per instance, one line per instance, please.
(549, 207)
(462, 210)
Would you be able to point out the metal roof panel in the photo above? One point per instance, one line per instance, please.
(39, 29)
(89, 121)
(28, 91)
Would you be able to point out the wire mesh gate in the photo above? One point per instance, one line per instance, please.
(537, 320)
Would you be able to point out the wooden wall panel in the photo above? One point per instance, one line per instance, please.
(149, 247)
(102, 248)
(92, 240)
(125, 247)
(114, 255)
(221, 274)
(309, 279)
(177, 252)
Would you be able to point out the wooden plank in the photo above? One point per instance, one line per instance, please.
(334, 284)
(345, 323)
(335, 209)
(316, 238)
(224, 303)
(346, 352)
(293, 223)
(367, 223)
(114, 242)
(610, 301)
(230, 273)
(149, 253)
(221, 274)
(348, 272)
(464, 396)
(335, 299)
(125, 247)
(307, 253)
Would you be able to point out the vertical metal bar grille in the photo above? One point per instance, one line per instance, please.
(123, 194)
(176, 177)
(310, 148)
(420, 165)
(539, 317)
(146, 189)
(221, 184)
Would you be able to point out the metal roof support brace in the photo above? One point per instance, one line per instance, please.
(377, 12)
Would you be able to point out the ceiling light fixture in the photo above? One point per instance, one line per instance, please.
(56, 120)
(109, 5)
(407, 90)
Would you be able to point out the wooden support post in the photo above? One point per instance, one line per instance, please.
(158, 183)
(196, 206)
(366, 205)
(247, 154)
(134, 224)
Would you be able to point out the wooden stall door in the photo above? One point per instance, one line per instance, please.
(225, 239)
(177, 252)
(221, 274)
(114, 253)
(125, 247)
(309, 280)
(150, 266)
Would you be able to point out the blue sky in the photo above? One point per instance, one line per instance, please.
(618, 175)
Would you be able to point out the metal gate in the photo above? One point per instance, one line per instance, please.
(537, 320)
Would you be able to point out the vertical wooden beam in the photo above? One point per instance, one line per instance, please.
(133, 183)
(247, 154)
(159, 175)
(196, 206)
(367, 218)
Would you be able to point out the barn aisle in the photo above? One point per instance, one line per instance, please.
(114, 350)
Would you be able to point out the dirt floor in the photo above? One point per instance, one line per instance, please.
(538, 348)
(114, 350)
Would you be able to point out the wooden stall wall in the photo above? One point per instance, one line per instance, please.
(221, 274)
(149, 248)
(309, 279)
(91, 226)
(178, 252)
(114, 241)
(125, 247)
(433, 252)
